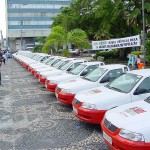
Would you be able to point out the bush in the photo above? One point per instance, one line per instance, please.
(66, 53)
(108, 55)
(148, 50)
(136, 52)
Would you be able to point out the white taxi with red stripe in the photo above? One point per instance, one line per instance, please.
(79, 71)
(128, 127)
(92, 104)
(98, 77)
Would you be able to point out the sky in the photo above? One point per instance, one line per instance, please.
(2, 18)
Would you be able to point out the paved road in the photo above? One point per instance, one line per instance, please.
(31, 118)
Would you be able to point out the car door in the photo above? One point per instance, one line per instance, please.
(142, 91)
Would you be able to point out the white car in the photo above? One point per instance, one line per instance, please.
(127, 127)
(79, 71)
(41, 64)
(45, 67)
(66, 91)
(91, 105)
(62, 68)
(53, 65)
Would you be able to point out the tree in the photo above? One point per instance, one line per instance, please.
(59, 37)
(38, 48)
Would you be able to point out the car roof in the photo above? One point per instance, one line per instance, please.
(113, 66)
(79, 60)
(141, 72)
(93, 63)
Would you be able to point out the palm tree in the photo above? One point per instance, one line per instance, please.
(59, 37)
(133, 12)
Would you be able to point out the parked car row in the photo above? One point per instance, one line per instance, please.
(110, 95)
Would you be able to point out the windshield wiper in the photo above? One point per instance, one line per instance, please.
(115, 89)
(87, 79)
(70, 72)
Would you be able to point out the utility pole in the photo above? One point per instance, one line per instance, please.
(21, 33)
(144, 34)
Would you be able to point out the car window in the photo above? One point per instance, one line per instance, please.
(95, 74)
(111, 75)
(74, 65)
(49, 61)
(125, 83)
(64, 64)
(126, 69)
(88, 70)
(55, 62)
(145, 86)
(78, 69)
(64, 67)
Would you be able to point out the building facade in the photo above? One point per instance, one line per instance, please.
(28, 19)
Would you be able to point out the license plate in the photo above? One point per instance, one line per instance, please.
(107, 137)
(75, 110)
(56, 95)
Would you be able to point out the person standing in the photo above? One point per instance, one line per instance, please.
(138, 61)
(4, 57)
(1, 60)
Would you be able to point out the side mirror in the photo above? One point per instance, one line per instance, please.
(139, 91)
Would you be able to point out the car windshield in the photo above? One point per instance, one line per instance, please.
(63, 64)
(58, 64)
(55, 62)
(147, 100)
(44, 61)
(78, 69)
(95, 74)
(49, 60)
(125, 83)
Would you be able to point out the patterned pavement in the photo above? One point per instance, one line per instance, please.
(32, 119)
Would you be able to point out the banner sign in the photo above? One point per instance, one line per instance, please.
(132, 41)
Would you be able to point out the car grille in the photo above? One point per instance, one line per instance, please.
(110, 126)
(77, 102)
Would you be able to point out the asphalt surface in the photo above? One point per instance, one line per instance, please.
(32, 119)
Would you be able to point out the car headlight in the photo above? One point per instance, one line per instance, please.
(131, 135)
(88, 106)
(53, 82)
(66, 91)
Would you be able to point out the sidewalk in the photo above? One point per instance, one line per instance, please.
(31, 118)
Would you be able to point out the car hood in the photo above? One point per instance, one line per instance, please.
(39, 66)
(45, 69)
(63, 76)
(103, 97)
(77, 85)
(133, 117)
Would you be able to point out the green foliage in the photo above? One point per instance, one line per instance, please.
(148, 50)
(104, 19)
(107, 55)
(61, 38)
(136, 52)
(66, 53)
(37, 48)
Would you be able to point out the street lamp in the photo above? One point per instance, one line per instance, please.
(21, 33)
(143, 17)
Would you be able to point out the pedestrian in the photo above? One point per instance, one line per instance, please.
(4, 57)
(137, 62)
(1, 60)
